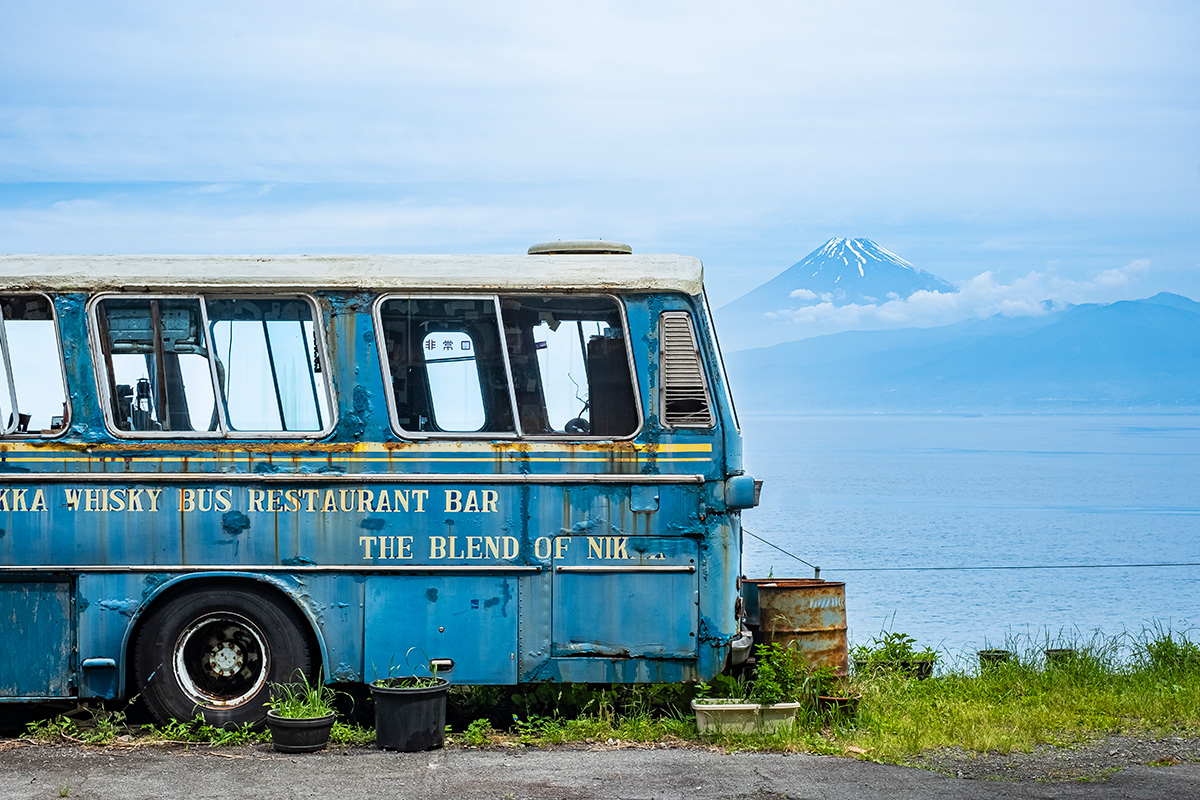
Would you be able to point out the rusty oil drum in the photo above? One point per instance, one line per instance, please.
(807, 611)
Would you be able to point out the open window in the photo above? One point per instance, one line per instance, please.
(215, 366)
(447, 365)
(262, 351)
(33, 395)
(518, 365)
(570, 366)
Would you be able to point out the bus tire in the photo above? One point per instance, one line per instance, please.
(217, 652)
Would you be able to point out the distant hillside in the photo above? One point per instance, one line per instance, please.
(840, 272)
(1131, 354)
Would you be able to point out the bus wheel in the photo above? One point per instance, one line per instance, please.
(217, 652)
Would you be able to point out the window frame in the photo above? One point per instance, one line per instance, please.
(223, 432)
(68, 411)
(518, 433)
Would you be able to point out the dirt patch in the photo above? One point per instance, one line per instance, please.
(1095, 760)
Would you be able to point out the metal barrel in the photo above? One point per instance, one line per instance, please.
(806, 611)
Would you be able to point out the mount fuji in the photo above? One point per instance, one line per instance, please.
(840, 272)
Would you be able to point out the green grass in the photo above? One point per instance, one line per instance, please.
(1144, 684)
(1148, 684)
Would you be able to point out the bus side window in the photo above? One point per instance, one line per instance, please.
(157, 363)
(447, 364)
(268, 377)
(33, 397)
(570, 366)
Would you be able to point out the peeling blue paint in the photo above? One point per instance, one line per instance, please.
(127, 607)
(234, 523)
(298, 561)
(152, 582)
(372, 524)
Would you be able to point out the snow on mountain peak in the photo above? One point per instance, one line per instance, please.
(861, 251)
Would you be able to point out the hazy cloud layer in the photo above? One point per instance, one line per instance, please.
(1033, 294)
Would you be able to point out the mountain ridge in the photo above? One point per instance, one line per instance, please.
(1132, 353)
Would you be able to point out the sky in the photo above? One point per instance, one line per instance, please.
(1018, 148)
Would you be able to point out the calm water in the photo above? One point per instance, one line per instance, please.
(911, 491)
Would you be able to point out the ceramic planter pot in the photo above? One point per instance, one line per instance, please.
(303, 735)
(738, 716)
(410, 719)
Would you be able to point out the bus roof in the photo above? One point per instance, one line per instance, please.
(641, 273)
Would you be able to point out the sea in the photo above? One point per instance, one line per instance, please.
(967, 532)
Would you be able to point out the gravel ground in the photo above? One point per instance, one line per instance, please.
(1089, 761)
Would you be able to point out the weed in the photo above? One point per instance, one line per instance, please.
(301, 699)
(99, 726)
(479, 733)
(197, 731)
(351, 735)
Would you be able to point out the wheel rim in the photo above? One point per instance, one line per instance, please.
(221, 660)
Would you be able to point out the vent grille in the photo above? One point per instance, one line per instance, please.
(684, 391)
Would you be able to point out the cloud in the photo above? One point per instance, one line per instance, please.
(1123, 276)
(1030, 295)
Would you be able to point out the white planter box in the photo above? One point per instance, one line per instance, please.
(737, 716)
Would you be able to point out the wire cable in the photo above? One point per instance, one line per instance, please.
(980, 567)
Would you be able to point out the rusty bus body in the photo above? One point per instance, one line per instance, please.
(216, 470)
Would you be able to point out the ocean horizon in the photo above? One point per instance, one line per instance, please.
(970, 531)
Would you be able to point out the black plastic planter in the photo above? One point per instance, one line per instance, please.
(306, 735)
(410, 719)
(919, 668)
(1060, 656)
(990, 658)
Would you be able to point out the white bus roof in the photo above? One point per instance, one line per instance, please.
(639, 273)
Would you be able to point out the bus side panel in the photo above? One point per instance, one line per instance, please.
(107, 607)
(37, 633)
(468, 620)
(643, 608)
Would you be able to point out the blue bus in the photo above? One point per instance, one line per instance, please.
(219, 470)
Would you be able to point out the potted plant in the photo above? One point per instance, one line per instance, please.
(894, 652)
(300, 715)
(766, 704)
(834, 697)
(410, 711)
(1060, 656)
(992, 656)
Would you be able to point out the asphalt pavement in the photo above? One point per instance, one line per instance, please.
(30, 770)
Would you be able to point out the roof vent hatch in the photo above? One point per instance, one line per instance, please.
(581, 247)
